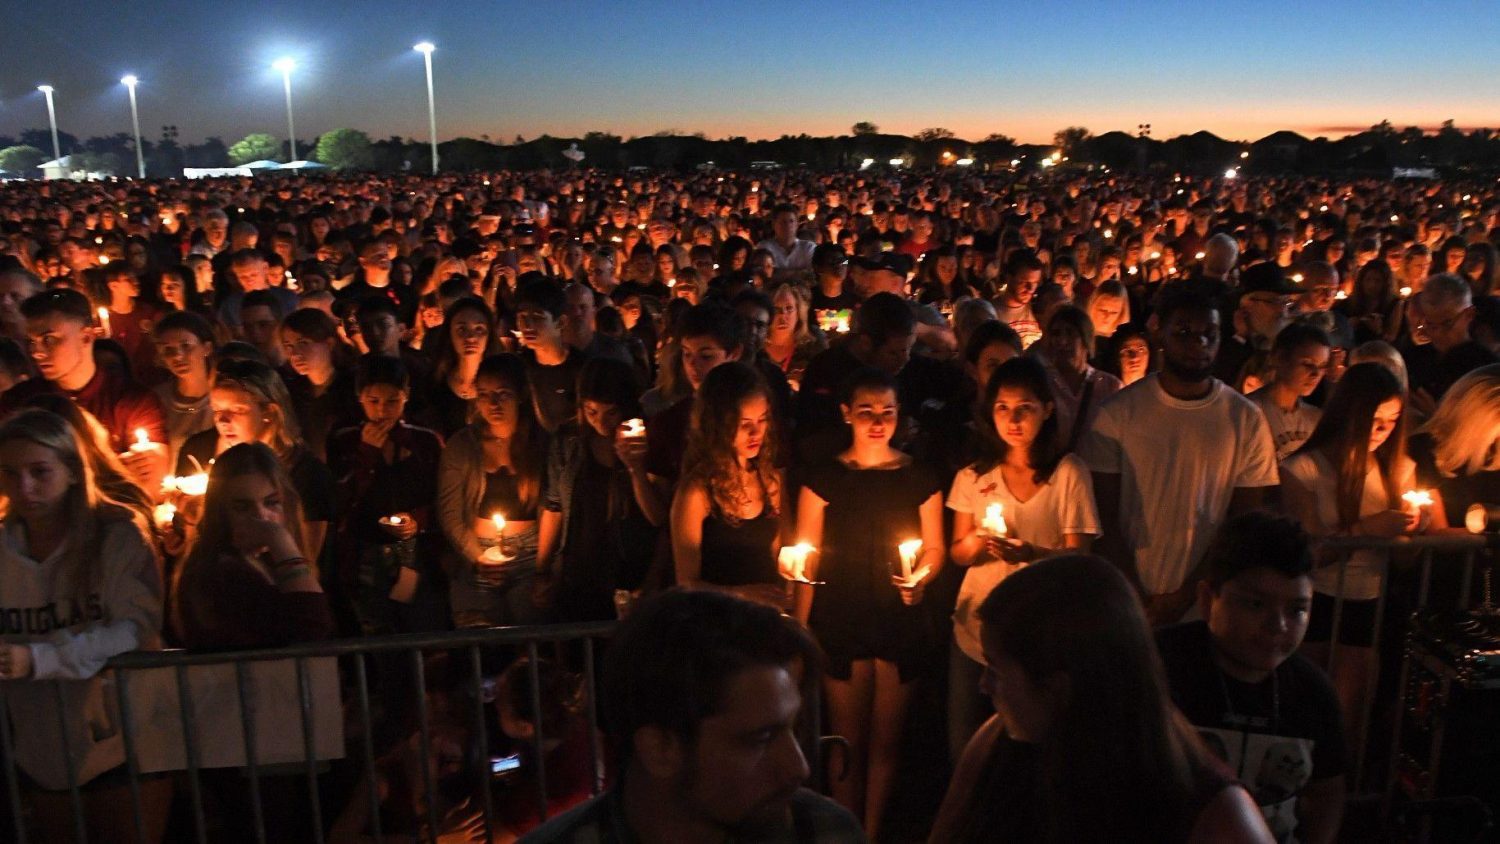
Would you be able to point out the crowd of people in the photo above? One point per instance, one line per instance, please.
(867, 431)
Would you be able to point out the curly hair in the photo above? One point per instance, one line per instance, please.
(710, 458)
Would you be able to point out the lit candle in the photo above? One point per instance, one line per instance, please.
(394, 521)
(163, 514)
(1341, 295)
(193, 484)
(1109, 232)
(1297, 278)
(142, 442)
(1418, 498)
(104, 321)
(841, 324)
(1201, 255)
(634, 428)
(1405, 292)
(908, 551)
(994, 520)
(499, 521)
(792, 561)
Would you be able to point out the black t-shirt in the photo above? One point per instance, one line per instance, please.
(554, 388)
(1276, 736)
(1436, 371)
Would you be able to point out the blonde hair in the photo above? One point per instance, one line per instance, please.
(87, 507)
(262, 382)
(1466, 424)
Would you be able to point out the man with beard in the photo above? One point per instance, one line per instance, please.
(702, 695)
(1173, 456)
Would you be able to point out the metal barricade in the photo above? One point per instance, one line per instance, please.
(305, 658)
(1464, 548)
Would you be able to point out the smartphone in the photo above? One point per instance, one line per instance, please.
(504, 764)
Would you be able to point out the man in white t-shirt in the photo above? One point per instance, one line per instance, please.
(791, 253)
(1023, 275)
(1173, 456)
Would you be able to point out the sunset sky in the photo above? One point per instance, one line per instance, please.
(758, 69)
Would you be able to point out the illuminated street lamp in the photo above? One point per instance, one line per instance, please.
(426, 48)
(52, 118)
(130, 82)
(286, 66)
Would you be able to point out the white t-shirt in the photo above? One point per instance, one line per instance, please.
(1064, 505)
(1288, 430)
(1318, 477)
(1021, 319)
(798, 258)
(1179, 463)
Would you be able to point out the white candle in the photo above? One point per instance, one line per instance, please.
(142, 441)
(163, 514)
(994, 520)
(634, 428)
(1418, 498)
(908, 551)
(1405, 292)
(104, 321)
(793, 561)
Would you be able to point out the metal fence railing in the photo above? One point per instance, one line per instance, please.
(232, 708)
(1451, 556)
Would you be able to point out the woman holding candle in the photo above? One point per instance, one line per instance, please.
(599, 525)
(491, 485)
(250, 404)
(1457, 452)
(725, 516)
(80, 579)
(1348, 479)
(866, 509)
(1046, 504)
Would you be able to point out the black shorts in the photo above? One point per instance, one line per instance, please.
(1356, 621)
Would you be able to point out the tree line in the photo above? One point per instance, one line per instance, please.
(1375, 150)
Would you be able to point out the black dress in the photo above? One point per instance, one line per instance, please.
(857, 613)
(739, 555)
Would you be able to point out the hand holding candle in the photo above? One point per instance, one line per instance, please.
(792, 561)
(993, 523)
(1418, 504)
(104, 329)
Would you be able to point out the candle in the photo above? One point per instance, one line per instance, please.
(499, 521)
(186, 484)
(394, 521)
(908, 551)
(792, 561)
(142, 441)
(994, 520)
(634, 428)
(1418, 498)
(104, 321)
(1201, 255)
(1341, 295)
(163, 515)
(1405, 292)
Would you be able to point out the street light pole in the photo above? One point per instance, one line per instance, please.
(52, 118)
(135, 121)
(285, 66)
(426, 48)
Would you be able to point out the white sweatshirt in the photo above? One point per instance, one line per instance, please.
(70, 644)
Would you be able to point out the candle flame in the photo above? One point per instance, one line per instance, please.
(1418, 498)
(142, 438)
(499, 521)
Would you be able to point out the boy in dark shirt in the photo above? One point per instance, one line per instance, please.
(1268, 712)
(552, 366)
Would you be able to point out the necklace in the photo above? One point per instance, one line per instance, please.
(1239, 720)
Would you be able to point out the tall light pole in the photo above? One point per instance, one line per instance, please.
(285, 66)
(52, 118)
(426, 48)
(130, 82)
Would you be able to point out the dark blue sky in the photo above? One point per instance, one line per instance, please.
(755, 68)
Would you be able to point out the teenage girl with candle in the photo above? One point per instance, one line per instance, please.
(1047, 503)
